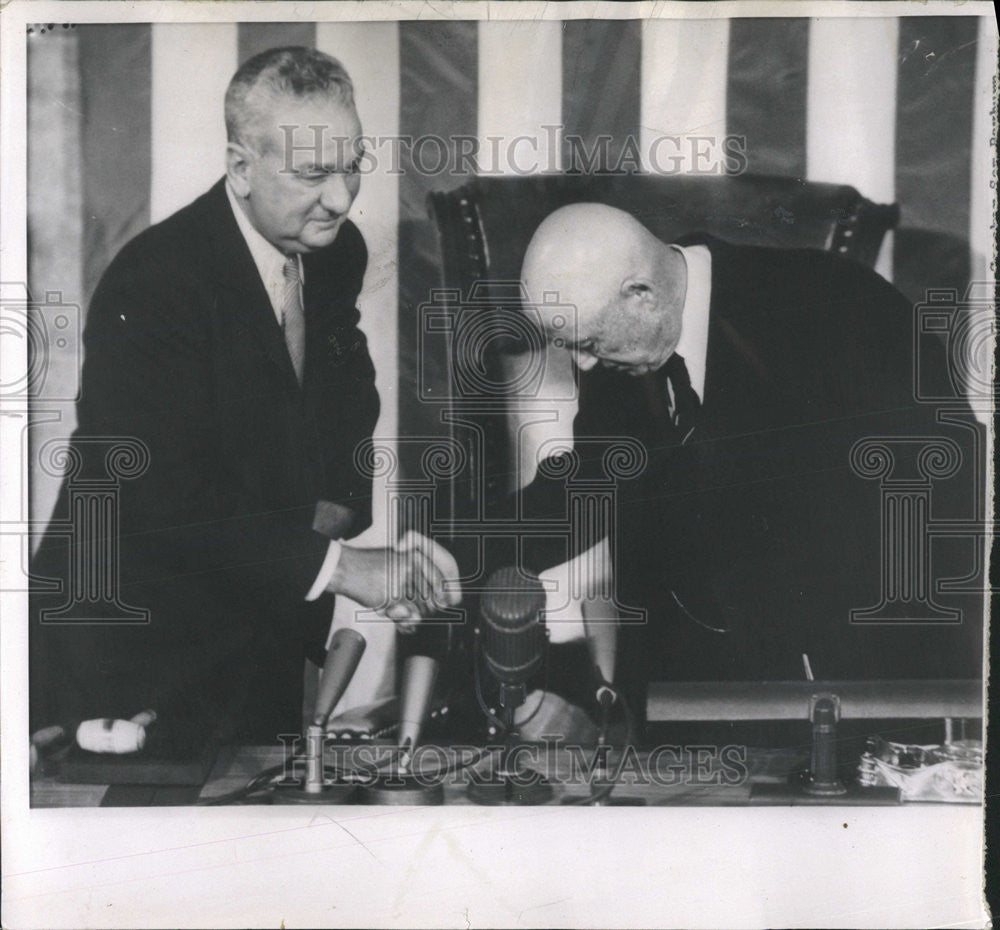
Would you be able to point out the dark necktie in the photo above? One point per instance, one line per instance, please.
(293, 319)
(685, 405)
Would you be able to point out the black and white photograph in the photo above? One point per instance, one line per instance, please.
(478, 464)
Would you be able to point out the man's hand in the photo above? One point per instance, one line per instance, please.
(405, 583)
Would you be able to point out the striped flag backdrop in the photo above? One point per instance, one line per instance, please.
(897, 107)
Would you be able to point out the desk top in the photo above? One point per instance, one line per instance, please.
(703, 775)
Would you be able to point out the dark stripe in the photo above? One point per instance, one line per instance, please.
(601, 76)
(438, 93)
(115, 82)
(937, 61)
(766, 92)
(259, 37)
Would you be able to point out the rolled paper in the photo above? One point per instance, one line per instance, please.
(111, 736)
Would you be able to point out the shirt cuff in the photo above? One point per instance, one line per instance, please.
(326, 570)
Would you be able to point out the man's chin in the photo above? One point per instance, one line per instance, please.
(319, 237)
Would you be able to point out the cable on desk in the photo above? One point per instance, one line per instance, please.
(604, 792)
(267, 779)
(259, 782)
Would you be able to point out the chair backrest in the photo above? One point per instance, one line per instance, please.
(485, 225)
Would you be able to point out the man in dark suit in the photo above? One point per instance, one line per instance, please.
(748, 374)
(225, 340)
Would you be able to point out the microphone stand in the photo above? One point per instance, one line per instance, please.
(606, 698)
(404, 786)
(512, 783)
(511, 639)
(342, 660)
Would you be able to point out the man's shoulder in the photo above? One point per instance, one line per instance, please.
(173, 248)
(768, 276)
(806, 258)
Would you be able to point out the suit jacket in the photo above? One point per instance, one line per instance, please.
(757, 521)
(217, 538)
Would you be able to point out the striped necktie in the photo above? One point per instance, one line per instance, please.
(293, 318)
(685, 403)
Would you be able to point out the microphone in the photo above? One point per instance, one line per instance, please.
(602, 644)
(403, 787)
(512, 636)
(513, 632)
(419, 675)
(342, 658)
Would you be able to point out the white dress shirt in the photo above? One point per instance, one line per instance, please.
(269, 260)
(693, 344)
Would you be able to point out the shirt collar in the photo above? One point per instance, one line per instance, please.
(269, 260)
(693, 344)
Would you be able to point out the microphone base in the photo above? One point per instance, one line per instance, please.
(526, 787)
(404, 789)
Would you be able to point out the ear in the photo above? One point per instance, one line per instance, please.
(238, 160)
(639, 291)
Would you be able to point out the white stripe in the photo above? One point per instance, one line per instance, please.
(55, 223)
(13, 423)
(683, 85)
(851, 109)
(370, 53)
(982, 214)
(191, 67)
(520, 94)
(982, 210)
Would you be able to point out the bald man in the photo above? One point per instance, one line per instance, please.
(747, 374)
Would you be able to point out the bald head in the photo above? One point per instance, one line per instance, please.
(626, 285)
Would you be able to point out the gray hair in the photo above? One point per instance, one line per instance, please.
(294, 71)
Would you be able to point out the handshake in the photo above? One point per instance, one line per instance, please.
(407, 583)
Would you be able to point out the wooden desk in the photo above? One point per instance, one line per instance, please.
(679, 778)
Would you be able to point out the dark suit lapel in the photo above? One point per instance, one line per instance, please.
(736, 372)
(319, 302)
(243, 295)
(331, 316)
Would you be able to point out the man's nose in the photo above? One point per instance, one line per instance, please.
(335, 195)
(584, 360)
